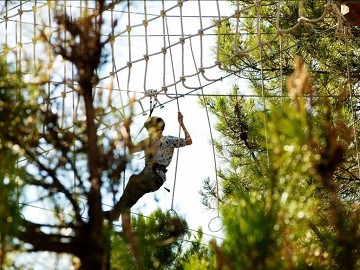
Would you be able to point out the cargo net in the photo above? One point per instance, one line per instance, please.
(157, 51)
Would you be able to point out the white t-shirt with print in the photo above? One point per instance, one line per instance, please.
(161, 150)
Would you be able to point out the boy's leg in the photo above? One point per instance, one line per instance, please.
(137, 187)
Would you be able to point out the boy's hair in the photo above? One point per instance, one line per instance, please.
(155, 122)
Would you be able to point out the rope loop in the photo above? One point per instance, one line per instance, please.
(174, 212)
(81, 204)
(218, 227)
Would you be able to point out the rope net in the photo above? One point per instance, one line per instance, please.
(148, 40)
(157, 49)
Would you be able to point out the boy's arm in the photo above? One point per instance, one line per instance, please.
(188, 139)
(133, 148)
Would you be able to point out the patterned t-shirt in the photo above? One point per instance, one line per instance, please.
(160, 151)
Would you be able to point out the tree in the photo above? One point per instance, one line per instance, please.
(289, 190)
(160, 238)
(11, 115)
(292, 216)
(36, 128)
(69, 166)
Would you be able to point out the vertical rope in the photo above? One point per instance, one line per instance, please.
(182, 39)
(6, 19)
(201, 34)
(34, 9)
(19, 43)
(172, 65)
(177, 100)
(203, 96)
(210, 130)
(95, 83)
(113, 72)
(163, 14)
(218, 24)
(146, 56)
(116, 75)
(258, 21)
(281, 66)
(280, 48)
(352, 105)
(63, 93)
(50, 56)
(73, 111)
(129, 64)
(236, 36)
(301, 8)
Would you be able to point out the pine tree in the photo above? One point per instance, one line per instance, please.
(289, 187)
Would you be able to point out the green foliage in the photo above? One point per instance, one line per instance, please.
(11, 116)
(289, 187)
(64, 159)
(294, 214)
(198, 254)
(160, 239)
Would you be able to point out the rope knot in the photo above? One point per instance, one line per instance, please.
(111, 39)
(302, 20)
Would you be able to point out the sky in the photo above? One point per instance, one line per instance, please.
(194, 163)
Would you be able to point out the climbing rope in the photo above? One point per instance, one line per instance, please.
(353, 115)
(178, 108)
(212, 142)
(258, 23)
